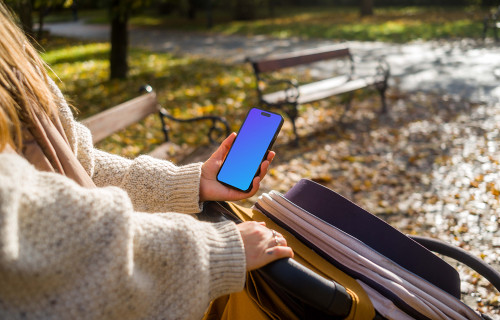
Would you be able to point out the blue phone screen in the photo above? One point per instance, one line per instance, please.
(249, 148)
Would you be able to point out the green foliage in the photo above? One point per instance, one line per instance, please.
(394, 24)
(37, 3)
(388, 24)
(186, 87)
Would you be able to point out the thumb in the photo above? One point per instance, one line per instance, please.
(224, 147)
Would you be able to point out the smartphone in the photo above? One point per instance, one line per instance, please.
(251, 146)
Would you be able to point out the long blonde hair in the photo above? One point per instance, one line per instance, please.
(23, 82)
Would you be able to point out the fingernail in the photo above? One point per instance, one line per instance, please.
(270, 252)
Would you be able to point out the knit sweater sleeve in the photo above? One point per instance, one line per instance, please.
(153, 185)
(72, 252)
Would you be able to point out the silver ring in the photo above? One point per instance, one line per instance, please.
(276, 240)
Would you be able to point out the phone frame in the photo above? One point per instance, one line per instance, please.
(276, 133)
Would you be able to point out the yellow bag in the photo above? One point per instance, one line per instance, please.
(260, 301)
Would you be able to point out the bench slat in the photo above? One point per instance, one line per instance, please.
(322, 89)
(301, 57)
(119, 117)
(347, 87)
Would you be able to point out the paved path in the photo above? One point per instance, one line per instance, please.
(463, 69)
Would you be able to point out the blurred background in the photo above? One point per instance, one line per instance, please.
(428, 166)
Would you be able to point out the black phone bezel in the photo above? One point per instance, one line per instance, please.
(277, 131)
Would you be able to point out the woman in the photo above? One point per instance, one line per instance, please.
(87, 234)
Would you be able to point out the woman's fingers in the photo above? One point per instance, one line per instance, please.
(271, 155)
(255, 187)
(263, 171)
(278, 252)
(278, 248)
(224, 147)
(262, 245)
(265, 164)
(277, 239)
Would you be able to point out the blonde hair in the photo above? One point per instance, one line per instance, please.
(24, 85)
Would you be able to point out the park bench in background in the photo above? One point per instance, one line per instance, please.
(109, 121)
(290, 93)
(491, 21)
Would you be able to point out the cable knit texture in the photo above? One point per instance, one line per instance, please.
(122, 251)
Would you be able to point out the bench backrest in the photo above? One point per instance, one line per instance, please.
(299, 57)
(107, 122)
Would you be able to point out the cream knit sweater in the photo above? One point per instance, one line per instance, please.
(126, 250)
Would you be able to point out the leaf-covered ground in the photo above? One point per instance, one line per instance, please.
(430, 166)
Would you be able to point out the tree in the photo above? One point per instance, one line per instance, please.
(25, 8)
(119, 14)
(244, 9)
(44, 7)
(24, 11)
(487, 3)
(366, 8)
(192, 8)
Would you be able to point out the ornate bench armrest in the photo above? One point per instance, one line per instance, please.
(292, 92)
(383, 71)
(219, 127)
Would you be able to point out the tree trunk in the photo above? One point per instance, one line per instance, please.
(191, 10)
(41, 18)
(487, 3)
(119, 41)
(270, 7)
(366, 8)
(208, 8)
(24, 9)
(244, 10)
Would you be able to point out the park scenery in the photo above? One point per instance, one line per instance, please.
(413, 137)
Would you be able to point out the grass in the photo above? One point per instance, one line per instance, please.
(393, 24)
(185, 86)
(388, 24)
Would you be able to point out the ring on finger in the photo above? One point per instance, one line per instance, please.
(276, 239)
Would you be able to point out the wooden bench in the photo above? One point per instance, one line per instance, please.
(109, 121)
(491, 21)
(290, 93)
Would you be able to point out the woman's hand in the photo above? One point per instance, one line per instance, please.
(211, 189)
(262, 245)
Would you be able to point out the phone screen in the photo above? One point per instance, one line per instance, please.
(255, 138)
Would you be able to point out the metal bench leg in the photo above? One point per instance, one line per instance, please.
(347, 106)
(485, 28)
(384, 71)
(382, 99)
(292, 113)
